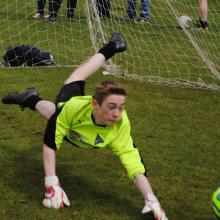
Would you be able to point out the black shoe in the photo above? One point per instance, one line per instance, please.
(202, 24)
(19, 98)
(119, 41)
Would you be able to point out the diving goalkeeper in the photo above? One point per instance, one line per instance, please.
(98, 121)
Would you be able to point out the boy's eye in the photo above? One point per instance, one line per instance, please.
(121, 109)
(111, 107)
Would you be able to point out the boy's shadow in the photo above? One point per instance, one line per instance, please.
(23, 173)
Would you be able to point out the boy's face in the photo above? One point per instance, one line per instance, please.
(109, 112)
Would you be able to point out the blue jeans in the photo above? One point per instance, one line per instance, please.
(145, 9)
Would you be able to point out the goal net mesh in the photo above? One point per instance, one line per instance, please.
(158, 51)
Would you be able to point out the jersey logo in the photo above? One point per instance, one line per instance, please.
(98, 140)
(75, 135)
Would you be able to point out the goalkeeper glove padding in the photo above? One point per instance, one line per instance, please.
(154, 208)
(55, 197)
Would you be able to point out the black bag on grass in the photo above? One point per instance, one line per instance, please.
(26, 55)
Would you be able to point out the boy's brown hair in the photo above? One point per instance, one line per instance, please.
(106, 88)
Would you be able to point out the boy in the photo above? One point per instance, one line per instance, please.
(89, 122)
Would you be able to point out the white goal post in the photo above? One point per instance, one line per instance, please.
(158, 51)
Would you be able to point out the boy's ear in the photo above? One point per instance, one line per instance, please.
(95, 103)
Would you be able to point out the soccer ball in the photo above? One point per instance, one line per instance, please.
(184, 21)
(216, 202)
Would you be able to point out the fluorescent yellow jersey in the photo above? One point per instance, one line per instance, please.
(75, 123)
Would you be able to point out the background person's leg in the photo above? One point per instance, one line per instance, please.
(54, 6)
(131, 11)
(40, 9)
(145, 9)
(203, 9)
(40, 6)
(71, 5)
(106, 8)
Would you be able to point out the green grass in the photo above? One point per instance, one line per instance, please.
(176, 130)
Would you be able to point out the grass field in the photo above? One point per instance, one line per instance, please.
(176, 130)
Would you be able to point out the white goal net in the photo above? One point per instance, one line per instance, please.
(158, 51)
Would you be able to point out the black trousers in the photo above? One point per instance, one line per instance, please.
(103, 7)
(54, 6)
(40, 6)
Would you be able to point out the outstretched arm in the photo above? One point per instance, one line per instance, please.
(55, 197)
(151, 202)
(143, 185)
(49, 158)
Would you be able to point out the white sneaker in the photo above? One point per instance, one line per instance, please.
(157, 210)
(38, 15)
(49, 18)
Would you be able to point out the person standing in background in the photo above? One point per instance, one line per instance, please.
(54, 6)
(144, 11)
(40, 9)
